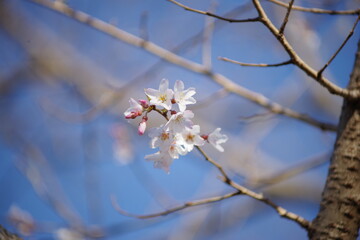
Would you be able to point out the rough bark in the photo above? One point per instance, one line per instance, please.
(339, 215)
(6, 235)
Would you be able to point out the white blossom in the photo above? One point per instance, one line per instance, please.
(183, 97)
(161, 97)
(179, 121)
(216, 138)
(160, 137)
(176, 149)
(191, 137)
(161, 160)
(178, 135)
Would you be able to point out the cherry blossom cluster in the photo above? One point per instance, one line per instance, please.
(179, 134)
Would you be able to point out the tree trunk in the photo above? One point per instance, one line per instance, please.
(339, 215)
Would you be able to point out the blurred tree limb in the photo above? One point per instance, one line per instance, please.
(225, 82)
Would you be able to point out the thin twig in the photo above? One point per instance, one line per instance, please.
(226, 179)
(317, 10)
(107, 99)
(331, 87)
(256, 64)
(243, 190)
(218, 166)
(260, 197)
(286, 19)
(342, 45)
(226, 83)
(174, 209)
(214, 15)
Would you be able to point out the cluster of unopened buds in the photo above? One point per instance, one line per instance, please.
(178, 135)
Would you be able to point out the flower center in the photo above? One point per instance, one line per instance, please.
(164, 136)
(190, 138)
(162, 98)
(178, 118)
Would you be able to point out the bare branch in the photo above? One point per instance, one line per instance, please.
(226, 83)
(218, 166)
(331, 87)
(214, 15)
(282, 28)
(243, 190)
(260, 197)
(257, 64)
(174, 209)
(342, 45)
(317, 10)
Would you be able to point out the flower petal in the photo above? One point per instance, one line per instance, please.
(179, 86)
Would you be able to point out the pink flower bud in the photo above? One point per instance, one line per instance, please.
(205, 137)
(142, 126)
(134, 110)
(143, 103)
(132, 115)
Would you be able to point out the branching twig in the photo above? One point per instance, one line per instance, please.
(218, 166)
(283, 25)
(317, 10)
(243, 190)
(174, 209)
(214, 15)
(257, 64)
(227, 84)
(226, 179)
(342, 45)
(331, 87)
(259, 197)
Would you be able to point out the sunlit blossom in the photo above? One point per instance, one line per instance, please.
(178, 135)
(216, 138)
(191, 137)
(161, 97)
(183, 97)
(179, 121)
(161, 160)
